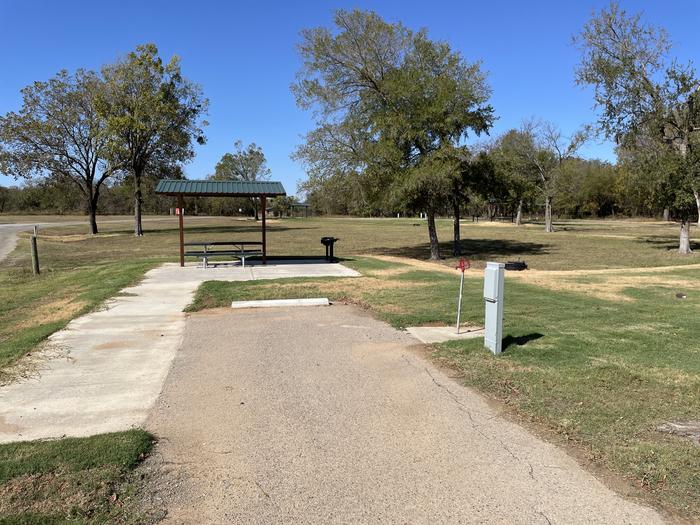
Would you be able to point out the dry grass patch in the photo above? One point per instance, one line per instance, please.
(50, 493)
(605, 271)
(56, 310)
(662, 375)
(344, 286)
(608, 286)
(73, 480)
(77, 237)
(414, 263)
(389, 272)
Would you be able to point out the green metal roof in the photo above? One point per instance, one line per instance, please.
(220, 188)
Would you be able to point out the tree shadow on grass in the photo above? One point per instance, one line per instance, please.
(478, 249)
(665, 242)
(520, 340)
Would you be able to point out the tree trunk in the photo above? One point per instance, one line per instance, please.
(432, 233)
(548, 225)
(667, 214)
(93, 195)
(255, 208)
(684, 245)
(697, 203)
(456, 246)
(92, 212)
(519, 214)
(138, 228)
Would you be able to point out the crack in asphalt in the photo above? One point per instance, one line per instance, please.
(531, 471)
(262, 489)
(474, 425)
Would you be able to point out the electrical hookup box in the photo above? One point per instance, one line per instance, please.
(493, 301)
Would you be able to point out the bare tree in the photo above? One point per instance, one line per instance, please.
(551, 150)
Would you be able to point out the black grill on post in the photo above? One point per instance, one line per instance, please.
(328, 242)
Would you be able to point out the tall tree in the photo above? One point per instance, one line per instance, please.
(551, 151)
(391, 105)
(474, 175)
(245, 164)
(645, 98)
(5, 196)
(59, 134)
(511, 154)
(154, 115)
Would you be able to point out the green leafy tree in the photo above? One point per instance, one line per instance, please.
(282, 206)
(337, 194)
(511, 154)
(589, 188)
(5, 198)
(59, 134)
(391, 105)
(244, 164)
(647, 100)
(470, 175)
(153, 115)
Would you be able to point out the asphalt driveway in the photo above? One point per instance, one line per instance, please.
(325, 415)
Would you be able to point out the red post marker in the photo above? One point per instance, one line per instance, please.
(463, 265)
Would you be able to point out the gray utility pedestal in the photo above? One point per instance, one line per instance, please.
(493, 299)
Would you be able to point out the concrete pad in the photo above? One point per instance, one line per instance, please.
(105, 370)
(276, 303)
(329, 416)
(441, 334)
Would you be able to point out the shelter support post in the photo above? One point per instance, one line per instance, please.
(263, 204)
(181, 220)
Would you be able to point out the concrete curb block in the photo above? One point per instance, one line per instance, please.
(271, 303)
(441, 334)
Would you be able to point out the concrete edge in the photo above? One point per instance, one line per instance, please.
(272, 303)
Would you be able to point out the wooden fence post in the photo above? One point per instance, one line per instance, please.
(35, 255)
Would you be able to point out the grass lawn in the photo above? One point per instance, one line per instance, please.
(576, 244)
(596, 358)
(596, 374)
(80, 271)
(72, 481)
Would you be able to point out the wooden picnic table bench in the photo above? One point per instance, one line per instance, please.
(235, 248)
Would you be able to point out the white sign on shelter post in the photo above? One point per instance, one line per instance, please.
(493, 299)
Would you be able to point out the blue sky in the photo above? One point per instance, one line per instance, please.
(244, 56)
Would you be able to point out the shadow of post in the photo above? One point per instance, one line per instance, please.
(520, 340)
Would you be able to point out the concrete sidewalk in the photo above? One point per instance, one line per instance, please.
(105, 370)
(325, 415)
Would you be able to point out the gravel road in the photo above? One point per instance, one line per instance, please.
(8, 237)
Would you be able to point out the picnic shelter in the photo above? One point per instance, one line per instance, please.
(229, 188)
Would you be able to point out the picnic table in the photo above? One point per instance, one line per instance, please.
(238, 249)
